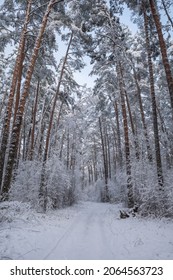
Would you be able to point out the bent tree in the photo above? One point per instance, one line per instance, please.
(43, 188)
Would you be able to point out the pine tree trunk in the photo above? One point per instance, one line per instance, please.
(105, 163)
(95, 161)
(31, 151)
(19, 116)
(153, 102)
(107, 148)
(149, 153)
(43, 188)
(126, 138)
(68, 149)
(132, 126)
(61, 146)
(163, 49)
(120, 157)
(55, 99)
(15, 78)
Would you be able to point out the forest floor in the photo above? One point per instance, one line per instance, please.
(87, 230)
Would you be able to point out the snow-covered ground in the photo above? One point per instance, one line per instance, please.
(87, 230)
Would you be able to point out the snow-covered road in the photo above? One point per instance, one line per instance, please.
(87, 230)
(87, 238)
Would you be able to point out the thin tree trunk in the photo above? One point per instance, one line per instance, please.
(43, 188)
(149, 153)
(126, 138)
(163, 49)
(106, 192)
(107, 144)
(57, 126)
(120, 157)
(153, 101)
(31, 151)
(55, 99)
(95, 161)
(61, 147)
(167, 13)
(19, 80)
(132, 126)
(68, 149)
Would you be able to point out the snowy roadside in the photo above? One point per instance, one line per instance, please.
(26, 232)
(87, 230)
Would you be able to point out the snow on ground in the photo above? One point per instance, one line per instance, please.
(87, 230)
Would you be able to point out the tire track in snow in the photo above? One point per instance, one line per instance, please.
(86, 238)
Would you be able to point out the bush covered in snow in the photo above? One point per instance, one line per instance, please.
(147, 196)
(10, 210)
(26, 186)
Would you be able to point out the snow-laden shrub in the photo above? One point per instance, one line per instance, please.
(10, 210)
(59, 188)
(26, 186)
(117, 187)
(147, 196)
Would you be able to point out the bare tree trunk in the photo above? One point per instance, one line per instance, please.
(154, 110)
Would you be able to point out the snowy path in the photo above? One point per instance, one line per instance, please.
(87, 230)
(87, 237)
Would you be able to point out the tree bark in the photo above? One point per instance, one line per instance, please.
(120, 157)
(105, 163)
(43, 188)
(154, 108)
(132, 126)
(15, 78)
(149, 153)
(126, 138)
(19, 116)
(31, 151)
(163, 49)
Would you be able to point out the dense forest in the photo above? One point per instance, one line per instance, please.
(59, 140)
